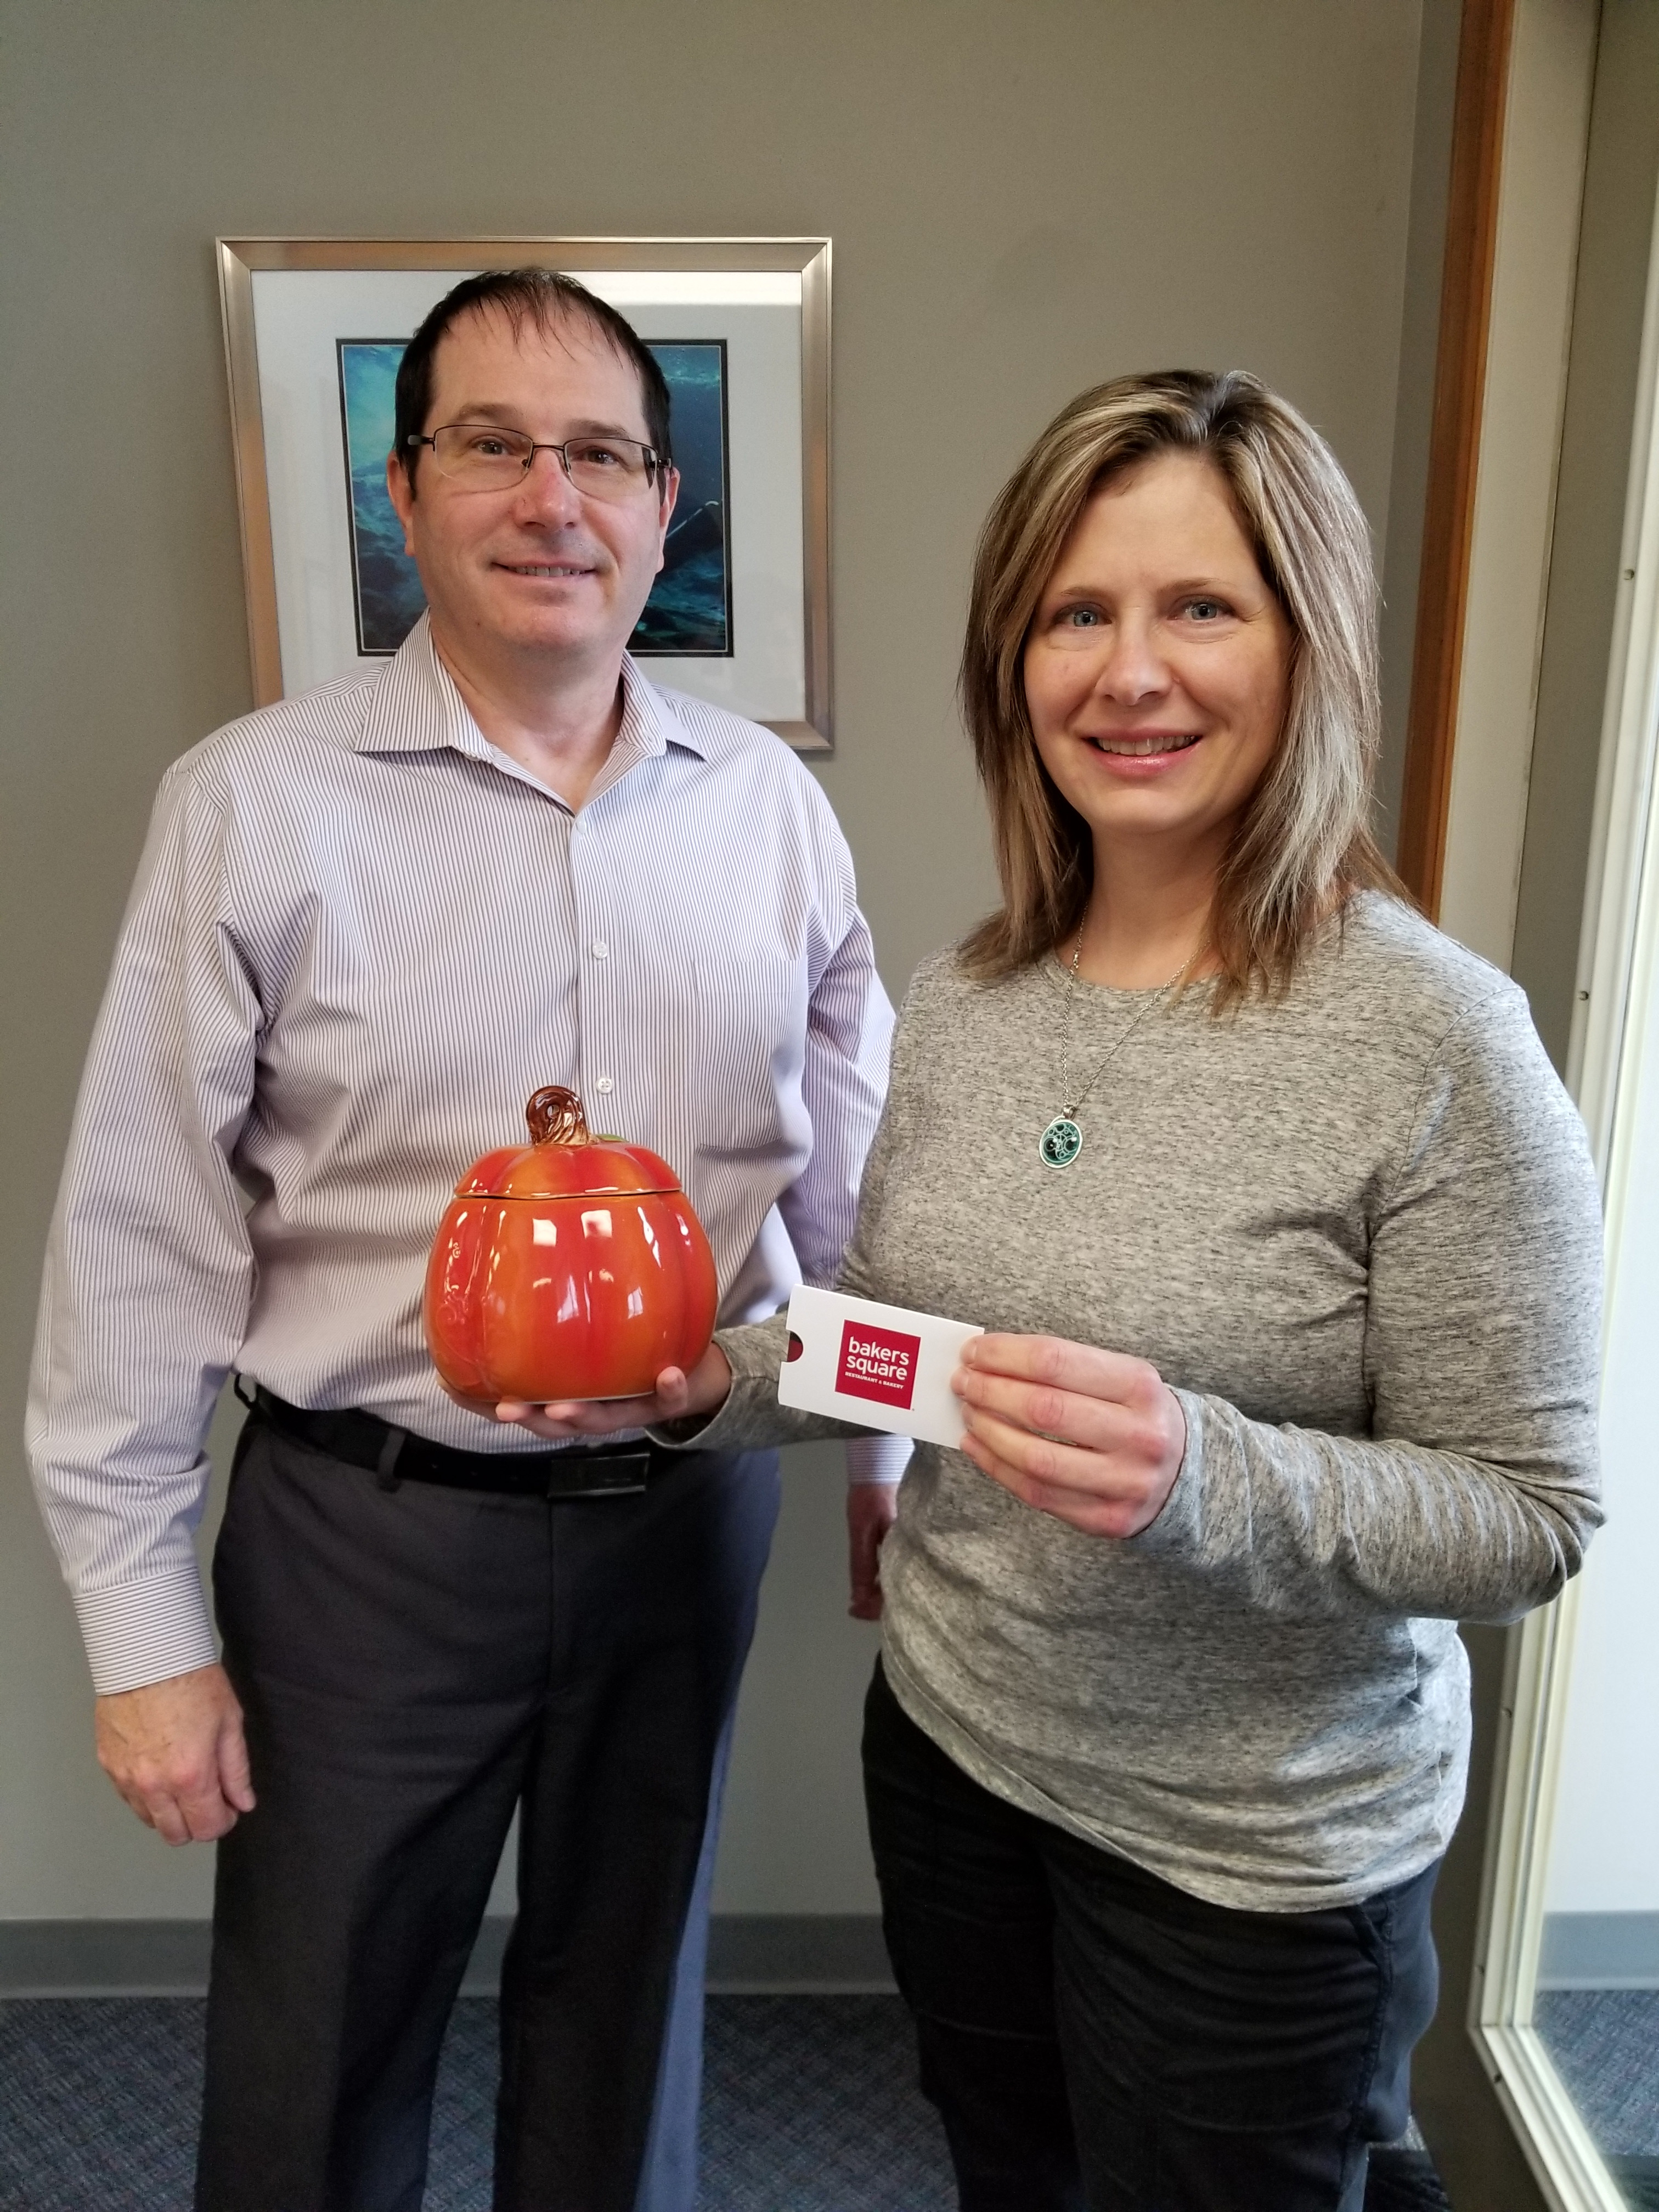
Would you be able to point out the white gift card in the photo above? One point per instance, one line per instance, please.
(882, 1366)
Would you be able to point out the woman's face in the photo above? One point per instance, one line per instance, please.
(1157, 665)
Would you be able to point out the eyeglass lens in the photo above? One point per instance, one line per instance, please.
(489, 458)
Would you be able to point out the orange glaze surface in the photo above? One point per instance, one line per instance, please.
(573, 1268)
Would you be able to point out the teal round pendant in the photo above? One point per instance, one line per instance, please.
(1060, 1143)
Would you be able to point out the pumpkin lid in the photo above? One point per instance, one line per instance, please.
(564, 1160)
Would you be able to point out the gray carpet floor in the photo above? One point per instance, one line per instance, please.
(809, 2105)
(1605, 2043)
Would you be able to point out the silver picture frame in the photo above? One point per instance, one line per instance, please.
(273, 520)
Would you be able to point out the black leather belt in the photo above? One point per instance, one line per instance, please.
(397, 1455)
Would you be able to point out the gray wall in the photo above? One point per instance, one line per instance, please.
(1025, 195)
(1413, 420)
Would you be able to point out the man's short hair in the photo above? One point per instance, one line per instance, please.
(549, 301)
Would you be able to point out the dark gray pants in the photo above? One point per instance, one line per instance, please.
(416, 1664)
(1098, 2040)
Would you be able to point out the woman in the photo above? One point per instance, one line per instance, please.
(1288, 1241)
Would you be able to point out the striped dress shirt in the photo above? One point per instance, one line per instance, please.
(360, 937)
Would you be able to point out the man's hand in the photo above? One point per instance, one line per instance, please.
(1094, 1437)
(678, 1396)
(176, 1751)
(871, 1508)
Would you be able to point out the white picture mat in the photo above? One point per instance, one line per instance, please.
(299, 313)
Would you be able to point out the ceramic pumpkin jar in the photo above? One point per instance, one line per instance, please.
(570, 1267)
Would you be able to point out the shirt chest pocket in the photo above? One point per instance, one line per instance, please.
(749, 1015)
(739, 1024)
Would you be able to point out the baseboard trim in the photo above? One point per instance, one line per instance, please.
(1599, 1951)
(103, 1958)
(826, 1953)
(750, 1953)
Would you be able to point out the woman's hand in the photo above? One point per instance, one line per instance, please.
(677, 1396)
(1094, 1437)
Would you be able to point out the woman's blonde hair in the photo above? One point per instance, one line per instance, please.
(1302, 844)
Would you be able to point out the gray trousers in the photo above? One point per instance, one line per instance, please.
(416, 1663)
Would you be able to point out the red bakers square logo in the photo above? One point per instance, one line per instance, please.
(878, 1362)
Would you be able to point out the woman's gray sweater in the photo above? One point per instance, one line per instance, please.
(1358, 1232)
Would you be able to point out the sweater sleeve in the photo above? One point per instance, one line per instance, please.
(1482, 1349)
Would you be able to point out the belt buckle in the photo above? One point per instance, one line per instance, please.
(607, 1475)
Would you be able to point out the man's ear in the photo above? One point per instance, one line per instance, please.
(400, 490)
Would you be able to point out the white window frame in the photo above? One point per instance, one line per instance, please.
(1617, 971)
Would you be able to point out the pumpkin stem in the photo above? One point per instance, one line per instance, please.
(556, 1117)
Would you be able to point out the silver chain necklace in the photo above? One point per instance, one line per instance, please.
(1062, 1140)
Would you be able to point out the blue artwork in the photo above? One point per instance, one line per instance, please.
(389, 598)
(689, 611)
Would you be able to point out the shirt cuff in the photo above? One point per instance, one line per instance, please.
(140, 1632)
(1176, 1531)
(877, 1459)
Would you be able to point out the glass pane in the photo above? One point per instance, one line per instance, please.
(1597, 2005)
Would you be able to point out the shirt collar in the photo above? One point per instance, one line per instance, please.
(416, 708)
(649, 723)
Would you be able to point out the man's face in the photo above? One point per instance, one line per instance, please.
(535, 567)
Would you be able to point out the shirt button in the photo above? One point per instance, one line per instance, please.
(604, 1083)
(601, 949)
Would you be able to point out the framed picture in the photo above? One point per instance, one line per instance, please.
(314, 331)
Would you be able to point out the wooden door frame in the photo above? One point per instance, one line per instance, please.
(1483, 60)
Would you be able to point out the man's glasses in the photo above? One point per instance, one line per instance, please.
(483, 457)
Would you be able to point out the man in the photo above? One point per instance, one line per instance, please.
(369, 923)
